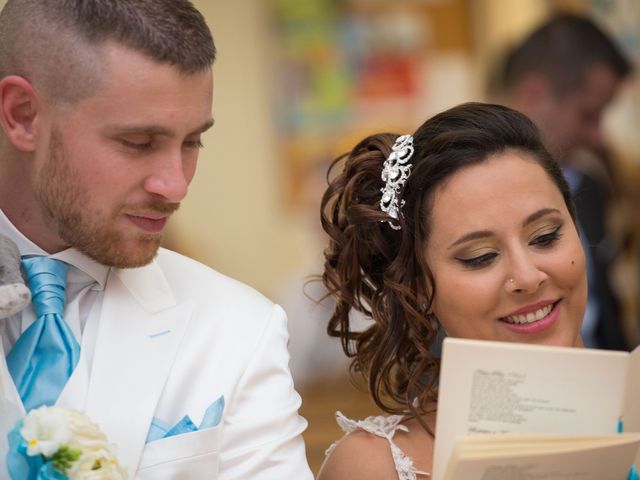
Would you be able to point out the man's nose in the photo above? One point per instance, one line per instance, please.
(170, 178)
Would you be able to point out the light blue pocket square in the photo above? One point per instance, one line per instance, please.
(161, 429)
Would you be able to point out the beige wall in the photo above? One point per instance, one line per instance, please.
(234, 218)
(498, 24)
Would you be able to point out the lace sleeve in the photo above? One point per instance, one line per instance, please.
(385, 427)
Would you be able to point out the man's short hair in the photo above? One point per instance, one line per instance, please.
(562, 50)
(56, 44)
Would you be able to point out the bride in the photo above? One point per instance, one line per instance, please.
(465, 227)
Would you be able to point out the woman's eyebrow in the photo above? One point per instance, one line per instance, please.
(539, 214)
(472, 236)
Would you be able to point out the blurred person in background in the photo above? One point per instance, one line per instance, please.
(563, 76)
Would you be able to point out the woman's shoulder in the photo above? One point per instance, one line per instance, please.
(360, 454)
(368, 451)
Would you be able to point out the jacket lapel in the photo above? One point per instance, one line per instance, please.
(139, 333)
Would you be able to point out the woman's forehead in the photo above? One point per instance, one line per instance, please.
(505, 188)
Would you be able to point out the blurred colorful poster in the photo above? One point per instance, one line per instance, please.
(346, 68)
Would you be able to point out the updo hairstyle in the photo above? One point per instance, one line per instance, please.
(382, 272)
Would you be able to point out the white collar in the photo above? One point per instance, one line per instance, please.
(95, 270)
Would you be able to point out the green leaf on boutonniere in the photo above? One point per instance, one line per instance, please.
(65, 457)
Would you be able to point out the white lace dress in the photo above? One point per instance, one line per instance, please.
(385, 427)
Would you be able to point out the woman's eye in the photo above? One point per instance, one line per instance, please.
(547, 239)
(479, 261)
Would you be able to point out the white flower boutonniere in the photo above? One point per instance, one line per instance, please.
(53, 443)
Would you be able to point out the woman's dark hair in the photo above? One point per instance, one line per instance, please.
(382, 272)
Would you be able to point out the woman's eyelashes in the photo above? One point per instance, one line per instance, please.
(547, 239)
(544, 239)
(478, 261)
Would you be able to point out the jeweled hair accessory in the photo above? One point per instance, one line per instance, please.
(395, 172)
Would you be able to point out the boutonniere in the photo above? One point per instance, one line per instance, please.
(54, 443)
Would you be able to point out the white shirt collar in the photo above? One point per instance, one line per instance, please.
(71, 256)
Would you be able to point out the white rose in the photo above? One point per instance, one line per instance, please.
(86, 434)
(96, 465)
(44, 430)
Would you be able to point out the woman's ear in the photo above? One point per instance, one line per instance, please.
(19, 108)
(425, 304)
(423, 295)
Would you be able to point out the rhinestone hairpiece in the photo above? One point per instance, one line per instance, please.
(395, 172)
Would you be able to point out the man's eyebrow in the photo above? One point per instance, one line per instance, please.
(487, 233)
(156, 129)
(205, 126)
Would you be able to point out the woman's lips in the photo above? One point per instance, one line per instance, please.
(532, 308)
(534, 320)
(147, 223)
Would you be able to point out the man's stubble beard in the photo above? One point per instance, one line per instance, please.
(66, 202)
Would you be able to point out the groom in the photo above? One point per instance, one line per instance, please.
(102, 105)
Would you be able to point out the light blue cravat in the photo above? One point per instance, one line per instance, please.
(44, 356)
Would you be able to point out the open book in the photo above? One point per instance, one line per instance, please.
(510, 411)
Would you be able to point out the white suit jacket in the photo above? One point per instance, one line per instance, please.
(173, 337)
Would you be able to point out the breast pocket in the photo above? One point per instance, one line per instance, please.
(189, 455)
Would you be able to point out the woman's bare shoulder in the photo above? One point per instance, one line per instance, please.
(359, 455)
(416, 443)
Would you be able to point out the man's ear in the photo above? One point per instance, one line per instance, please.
(19, 108)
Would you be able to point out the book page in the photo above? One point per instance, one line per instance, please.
(631, 412)
(609, 462)
(499, 387)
